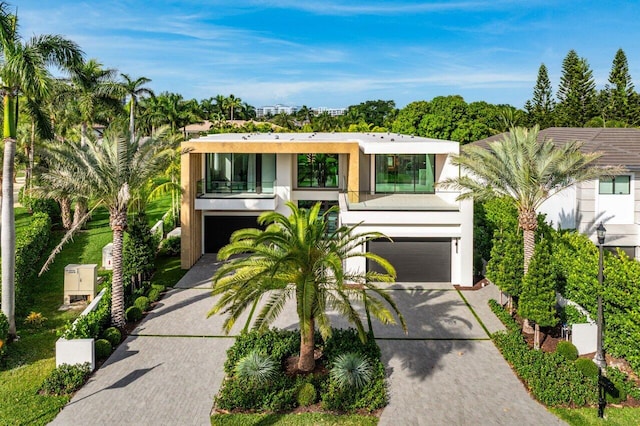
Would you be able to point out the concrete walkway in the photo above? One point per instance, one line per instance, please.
(445, 372)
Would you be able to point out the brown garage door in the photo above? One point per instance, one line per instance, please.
(415, 260)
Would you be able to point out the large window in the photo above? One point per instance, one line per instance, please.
(317, 170)
(615, 185)
(405, 173)
(240, 172)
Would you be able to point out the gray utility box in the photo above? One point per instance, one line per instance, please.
(80, 281)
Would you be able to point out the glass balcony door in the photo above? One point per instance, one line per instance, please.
(405, 173)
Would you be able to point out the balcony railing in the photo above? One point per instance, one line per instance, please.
(230, 187)
(368, 200)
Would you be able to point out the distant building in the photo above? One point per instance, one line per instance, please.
(334, 112)
(275, 110)
(278, 109)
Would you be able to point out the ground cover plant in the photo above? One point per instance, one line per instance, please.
(261, 375)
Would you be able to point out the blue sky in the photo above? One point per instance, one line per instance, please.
(339, 53)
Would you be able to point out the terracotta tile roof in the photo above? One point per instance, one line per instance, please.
(619, 146)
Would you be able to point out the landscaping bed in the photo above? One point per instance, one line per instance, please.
(285, 390)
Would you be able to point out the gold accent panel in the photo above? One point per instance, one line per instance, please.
(190, 219)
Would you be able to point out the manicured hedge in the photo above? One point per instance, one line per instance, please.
(552, 379)
(30, 246)
(94, 323)
(577, 258)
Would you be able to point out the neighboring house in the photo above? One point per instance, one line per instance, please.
(384, 181)
(613, 201)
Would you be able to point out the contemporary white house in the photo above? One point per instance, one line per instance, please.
(386, 182)
(614, 201)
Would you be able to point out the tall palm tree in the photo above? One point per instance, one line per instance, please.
(134, 89)
(109, 171)
(528, 171)
(94, 92)
(296, 257)
(24, 68)
(232, 103)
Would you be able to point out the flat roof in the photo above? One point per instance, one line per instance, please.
(370, 143)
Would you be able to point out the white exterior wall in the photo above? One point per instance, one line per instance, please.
(284, 181)
(562, 209)
(616, 209)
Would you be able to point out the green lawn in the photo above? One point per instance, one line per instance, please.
(30, 359)
(168, 271)
(589, 416)
(291, 419)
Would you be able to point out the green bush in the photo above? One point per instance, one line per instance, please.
(256, 369)
(351, 370)
(133, 314)
(138, 252)
(552, 379)
(4, 332)
(629, 386)
(571, 315)
(92, 325)
(39, 205)
(142, 303)
(568, 350)
(113, 335)
(103, 348)
(306, 395)
(614, 390)
(153, 295)
(66, 379)
(170, 246)
(587, 367)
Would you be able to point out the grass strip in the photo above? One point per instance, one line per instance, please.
(464, 299)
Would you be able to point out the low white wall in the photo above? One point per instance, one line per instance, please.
(78, 351)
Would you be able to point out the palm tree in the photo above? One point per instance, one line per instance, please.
(94, 91)
(296, 257)
(24, 68)
(109, 171)
(134, 89)
(526, 170)
(233, 103)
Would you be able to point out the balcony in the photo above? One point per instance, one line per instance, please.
(367, 201)
(235, 195)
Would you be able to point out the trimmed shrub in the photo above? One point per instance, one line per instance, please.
(133, 314)
(587, 367)
(153, 295)
(103, 348)
(90, 326)
(351, 370)
(306, 395)
(256, 369)
(66, 379)
(142, 303)
(139, 252)
(4, 332)
(170, 246)
(552, 379)
(568, 350)
(113, 335)
(614, 390)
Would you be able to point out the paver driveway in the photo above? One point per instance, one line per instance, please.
(446, 371)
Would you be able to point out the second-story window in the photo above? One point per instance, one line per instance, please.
(317, 170)
(615, 185)
(406, 173)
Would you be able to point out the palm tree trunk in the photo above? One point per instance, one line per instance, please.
(65, 212)
(528, 221)
(118, 225)
(80, 210)
(132, 128)
(536, 338)
(307, 362)
(8, 238)
(83, 133)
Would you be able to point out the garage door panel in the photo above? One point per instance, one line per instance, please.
(218, 230)
(415, 260)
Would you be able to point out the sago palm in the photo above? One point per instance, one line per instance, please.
(108, 172)
(295, 257)
(24, 69)
(524, 169)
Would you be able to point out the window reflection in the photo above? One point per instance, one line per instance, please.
(405, 173)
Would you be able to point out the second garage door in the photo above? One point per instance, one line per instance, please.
(415, 260)
(218, 230)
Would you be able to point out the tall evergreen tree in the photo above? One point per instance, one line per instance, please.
(538, 292)
(540, 107)
(620, 89)
(577, 92)
(505, 269)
